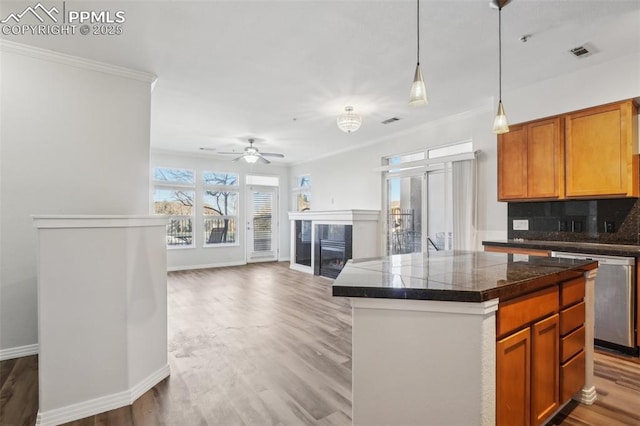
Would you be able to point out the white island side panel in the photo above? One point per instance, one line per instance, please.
(423, 362)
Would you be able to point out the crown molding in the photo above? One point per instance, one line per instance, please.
(76, 61)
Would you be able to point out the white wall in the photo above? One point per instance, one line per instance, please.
(346, 181)
(211, 256)
(73, 141)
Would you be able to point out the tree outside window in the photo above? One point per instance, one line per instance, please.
(302, 193)
(173, 196)
(220, 208)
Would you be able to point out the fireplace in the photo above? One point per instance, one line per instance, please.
(333, 247)
(343, 234)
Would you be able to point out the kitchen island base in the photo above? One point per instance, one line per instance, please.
(423, 362)
(469, 338)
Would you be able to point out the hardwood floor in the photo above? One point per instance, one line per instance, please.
(262, 344)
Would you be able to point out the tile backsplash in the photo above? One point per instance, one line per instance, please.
(615, 221)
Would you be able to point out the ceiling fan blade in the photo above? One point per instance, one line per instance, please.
(207, 149)
(237, 158)
(229, 152)
(264, 160)
(272, 154)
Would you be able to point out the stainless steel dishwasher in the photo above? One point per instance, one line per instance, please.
(614, 299)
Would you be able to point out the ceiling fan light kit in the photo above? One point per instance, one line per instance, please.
(418, 94)
(349, 121)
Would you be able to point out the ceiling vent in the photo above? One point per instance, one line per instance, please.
(390, 120)
(580, 52)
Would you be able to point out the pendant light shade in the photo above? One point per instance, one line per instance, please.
(349, 121)
(500, 124)
(418, 95)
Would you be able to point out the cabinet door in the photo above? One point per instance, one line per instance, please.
(600, 151)
(513, 379)
(545, 368)
(545, 162)
(512, 164)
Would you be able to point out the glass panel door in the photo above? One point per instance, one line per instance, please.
(262, 224)
(404, 214)
(439, 218)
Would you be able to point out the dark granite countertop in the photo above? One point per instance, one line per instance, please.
(453, 276)
(571, 246)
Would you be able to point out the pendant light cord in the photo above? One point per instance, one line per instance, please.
(418, 30)
(500, 53)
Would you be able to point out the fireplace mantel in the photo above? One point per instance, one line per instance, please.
(304, 234)
(343, 216)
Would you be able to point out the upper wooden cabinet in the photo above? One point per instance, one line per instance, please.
(588, 153)
(530, 161)
(601, 144)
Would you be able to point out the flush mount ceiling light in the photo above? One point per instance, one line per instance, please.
(349, 121)
(418, 95)
(500, 124)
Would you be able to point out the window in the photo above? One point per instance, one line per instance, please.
(430, 199)
(453, 149)
(262, 180)
(220, 208)
(302, 193)
(173, 196)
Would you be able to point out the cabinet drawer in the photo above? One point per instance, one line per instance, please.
(571, 292)
(521, 311)
(572, 344)
(571, 318)
(517, 250)
(572, 376)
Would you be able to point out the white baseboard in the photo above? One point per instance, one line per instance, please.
(100, 405)
(149, 382)
(18, 352)
(205, 266)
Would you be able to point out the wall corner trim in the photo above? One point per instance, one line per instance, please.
(76, 61)
(18, 352)
(105, 403)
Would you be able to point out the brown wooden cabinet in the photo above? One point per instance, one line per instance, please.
(530, 161)
(513, 379)
(517, 250)
(586, 153)
(572, 337)
(601, 146)
(545, 368)
(539, 353)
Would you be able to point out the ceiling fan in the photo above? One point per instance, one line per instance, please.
(251, 154)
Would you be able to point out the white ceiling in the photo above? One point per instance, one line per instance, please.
(281, 71)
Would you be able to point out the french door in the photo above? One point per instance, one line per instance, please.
(419, 207)
(262, 224)
(404, 213)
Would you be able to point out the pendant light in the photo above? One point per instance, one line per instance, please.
(500, 124)
(418, 95)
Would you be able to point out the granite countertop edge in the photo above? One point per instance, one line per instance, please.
(604, 249)
(503, 293)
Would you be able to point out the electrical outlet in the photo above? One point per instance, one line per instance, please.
(576, 226)
(521, 225)
(609, 226)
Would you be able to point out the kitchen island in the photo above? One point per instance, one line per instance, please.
(468, 337)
